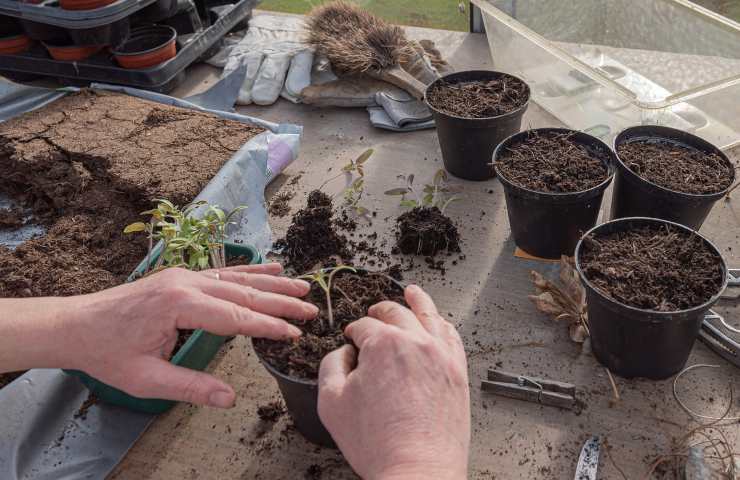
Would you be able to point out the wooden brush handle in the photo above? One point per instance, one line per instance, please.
(402, 79)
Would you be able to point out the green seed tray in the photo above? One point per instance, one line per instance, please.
(196, 353)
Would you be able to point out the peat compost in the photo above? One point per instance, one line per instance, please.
(87, 165)
(677, 167)
(426, 231)
(657, 268)
(352, 294)
(312, 237)
(479, 99)
(552, 163)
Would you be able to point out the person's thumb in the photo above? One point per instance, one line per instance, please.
(158, 378)
(334, 370)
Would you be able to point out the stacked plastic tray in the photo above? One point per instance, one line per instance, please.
(29, 32)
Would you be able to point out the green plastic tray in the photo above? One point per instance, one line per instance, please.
(196, 353)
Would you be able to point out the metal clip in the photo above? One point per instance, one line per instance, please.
(714, 338)
(545, 392)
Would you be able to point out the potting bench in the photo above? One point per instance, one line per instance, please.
(485, 295)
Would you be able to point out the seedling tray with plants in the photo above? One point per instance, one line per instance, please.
(102, 68)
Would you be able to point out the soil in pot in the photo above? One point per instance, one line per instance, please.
(654, 267)
(87, 165)
(426, 231)
(677, 167)
(352, 295)
(551, 163)
(479, 99)
(312, 237)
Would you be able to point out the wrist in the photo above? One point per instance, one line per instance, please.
(419, 472)
(38, 333)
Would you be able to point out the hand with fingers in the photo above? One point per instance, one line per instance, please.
(125, 336)
(398, 405)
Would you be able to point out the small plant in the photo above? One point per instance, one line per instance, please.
(189, 241)
(354, 184)
(323, 278)
(440, 193)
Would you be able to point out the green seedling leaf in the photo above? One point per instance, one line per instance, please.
(398, 191)
(365, 156)
(135, 227)
(409, 203)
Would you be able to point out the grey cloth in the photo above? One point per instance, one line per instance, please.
(399, 113)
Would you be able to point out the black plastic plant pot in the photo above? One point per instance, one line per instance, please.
(157, 11)
(301, 399)
(635, 196)
(467, 143)
(42, 32)
(549, 225)
(634, 342)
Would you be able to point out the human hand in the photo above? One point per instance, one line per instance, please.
(125, 336)
(404, 410)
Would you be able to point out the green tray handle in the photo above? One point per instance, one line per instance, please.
(196, 353)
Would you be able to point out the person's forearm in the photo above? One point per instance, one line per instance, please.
(36, 333)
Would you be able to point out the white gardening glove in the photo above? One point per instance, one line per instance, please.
(278, 62)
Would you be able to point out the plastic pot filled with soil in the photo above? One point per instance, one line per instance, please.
(147, 46)
(648, 284)
(667, 173)
(295, 365)
(14, 43)
(473, 112)
(69, 52)
(554, 180)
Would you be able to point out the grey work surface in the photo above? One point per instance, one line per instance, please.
(486, 295)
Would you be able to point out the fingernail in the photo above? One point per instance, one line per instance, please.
(302, 284)
(221, 399)
(413, 288)
(294, 331)
(312, 310)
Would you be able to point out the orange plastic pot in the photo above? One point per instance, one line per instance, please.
(14, 44)
(84, 4)
(72, 53)
(147, 47)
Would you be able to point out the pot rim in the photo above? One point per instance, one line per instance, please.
(560, 195)
(147, 30)
(655, 135)
(512, 113)
(643, 311)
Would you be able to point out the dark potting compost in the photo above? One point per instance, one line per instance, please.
(87, 165)
(352, 294)
(426, 231)
(677, 167)
(657, 268)
(551, 162)
(312, 237)
(479, 99)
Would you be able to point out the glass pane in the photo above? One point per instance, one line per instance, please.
(442, 14)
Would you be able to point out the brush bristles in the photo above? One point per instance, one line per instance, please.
(354, 40)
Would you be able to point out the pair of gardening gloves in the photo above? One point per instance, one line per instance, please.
(279, 63)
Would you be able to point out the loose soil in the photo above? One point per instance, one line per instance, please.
(87, 165)
(657, 268)
(677, 167)
(89, 402)
(11, 218)
(480, 99)
(280, 204)
(312, 237)
(352, 295)
(272, 411)
(553, 163)
(426, 231)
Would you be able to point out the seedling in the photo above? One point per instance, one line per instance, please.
(323, 278)
(189, 241)
(440, 193)
(354, 184)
